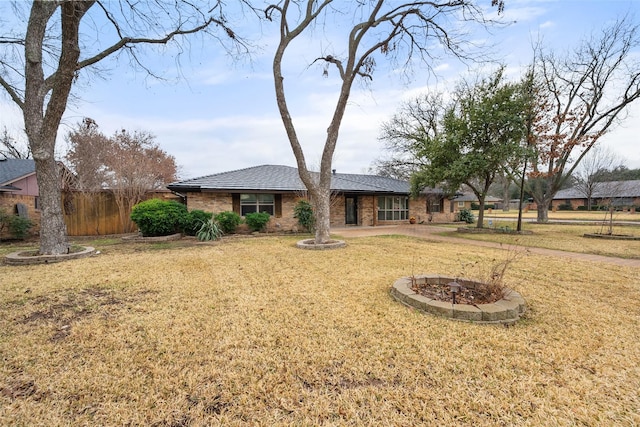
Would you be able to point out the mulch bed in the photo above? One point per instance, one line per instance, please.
(482, 294)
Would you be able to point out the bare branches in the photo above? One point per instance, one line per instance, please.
(581, 97)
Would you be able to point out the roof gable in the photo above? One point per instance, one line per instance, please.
(12, 170)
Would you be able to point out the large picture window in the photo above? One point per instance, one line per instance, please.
(393, 208)
(257, 203)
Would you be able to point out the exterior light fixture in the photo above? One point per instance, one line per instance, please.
(454, 287)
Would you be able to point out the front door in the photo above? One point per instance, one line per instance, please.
(351, 210)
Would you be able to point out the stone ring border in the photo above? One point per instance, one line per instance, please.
(16, 258)
(505, 311)
(311, 245)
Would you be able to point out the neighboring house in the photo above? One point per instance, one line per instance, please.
(19, 189)
(465, 201)
(620, 194)
(357, 199)
(18, 176)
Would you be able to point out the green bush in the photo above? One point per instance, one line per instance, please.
(209, 230)
(194, 221)
(17, 226)
(304, 213)
(581, 208)
(257, 220)
(466, 215)
(157, 217)
(565, 207)
(228, 221)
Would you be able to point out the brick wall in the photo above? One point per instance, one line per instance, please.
(8, 203)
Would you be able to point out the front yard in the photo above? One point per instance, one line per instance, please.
(256, 332)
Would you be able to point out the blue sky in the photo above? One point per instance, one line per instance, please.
(214, 113)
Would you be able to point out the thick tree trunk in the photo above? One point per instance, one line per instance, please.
(543, 211)
(53, 231)
(322, 205)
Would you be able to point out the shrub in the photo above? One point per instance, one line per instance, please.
(155, 217)
(257, 220)
(194, 220)
(466, 215)
(565, 207)
(228, 221)
(209, 230)
(582, 208)
(17, 226)
(304, 213)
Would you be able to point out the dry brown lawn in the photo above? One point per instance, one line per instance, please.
(564, 237)
(256, 332)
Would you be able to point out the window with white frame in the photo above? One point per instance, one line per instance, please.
(460, 204)
(250, 203)
(393, 208)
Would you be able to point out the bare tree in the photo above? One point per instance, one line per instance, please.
(136, 165)
(129, 165)
(40, 62)
(405, 134)
(86, 154)
(380, 29)
(581, 97)
(11, 149)
(587, 176)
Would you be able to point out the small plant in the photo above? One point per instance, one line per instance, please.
(303, 211)
(17, 226)
(228, 221)
(194, 220)
(156, 217)
(257, 221)
(209, 230)
(466, 215)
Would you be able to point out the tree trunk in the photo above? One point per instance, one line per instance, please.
(480, 223)
(322, 205)
(53, 231)
(543, 210)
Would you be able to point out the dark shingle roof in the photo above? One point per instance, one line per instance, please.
(286, 178)
(13, 169)
(614, 189)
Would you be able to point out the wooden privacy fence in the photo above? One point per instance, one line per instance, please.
(97, 214)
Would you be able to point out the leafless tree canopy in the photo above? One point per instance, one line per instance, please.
(582, 96)
(129, 165)
(50, 42)
(399, 32)
(12, 149)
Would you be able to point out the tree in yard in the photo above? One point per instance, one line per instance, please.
(481, 132)
(42, 58)
(380, 30)
(580, 97)
(587, 177)
(404, 136)
(129, 165)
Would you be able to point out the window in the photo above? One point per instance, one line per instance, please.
(460, 204)
(393, 208)
(257, 203)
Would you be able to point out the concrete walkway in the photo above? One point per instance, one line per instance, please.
(428, 232)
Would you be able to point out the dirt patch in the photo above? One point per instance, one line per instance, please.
(479, 293)
(63, 310)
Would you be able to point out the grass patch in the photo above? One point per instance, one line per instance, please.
(257, 332)
(564, 237)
